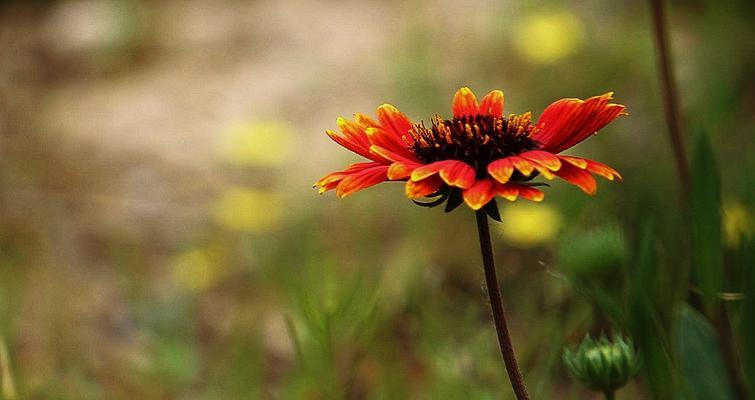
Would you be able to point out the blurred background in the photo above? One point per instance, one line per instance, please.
(159, 236)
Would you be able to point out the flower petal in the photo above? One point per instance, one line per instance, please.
(531, 193)
(354, 138)
(393, 131)
(365, 120)
(485, 189)
(349, 144)
(423, 188)
(395, 122)
(381, 138)
(391, 155)
(567, 122)
(480, 193)
(509, 192)
(492, 104)
(353, 131)
(544, 158)
(464, 103)
(501, 170)
(576, 161)
(361, 180)
(401, 170)
(333, 179)
(453, 172)
(577, 176)
(594, 167)
(524, 166)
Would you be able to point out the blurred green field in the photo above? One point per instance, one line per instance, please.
(159, 236)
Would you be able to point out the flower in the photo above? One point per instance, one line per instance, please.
(476, 155)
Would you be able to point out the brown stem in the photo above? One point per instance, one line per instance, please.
(670, 98)
(501, 328)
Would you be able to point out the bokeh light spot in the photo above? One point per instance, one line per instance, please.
(544, 38)
(737, 223)
(248, 210)
(198, 269)
(528, 225)
(267, 143)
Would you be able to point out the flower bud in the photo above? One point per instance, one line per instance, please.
(601, 364)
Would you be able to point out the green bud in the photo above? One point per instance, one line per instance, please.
(601, 364)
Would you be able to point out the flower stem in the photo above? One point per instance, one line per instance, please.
(610, 395)
(670, 98)
(494, 292)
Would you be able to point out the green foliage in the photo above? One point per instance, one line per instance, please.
(595, 254)
(643, 318)
(747, 316)
(593, 262)
(332, 317)
(705, 202)
(702, 366)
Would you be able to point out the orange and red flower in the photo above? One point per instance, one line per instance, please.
(476, 155)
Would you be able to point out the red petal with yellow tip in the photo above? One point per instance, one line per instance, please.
(464, 103)
(485, 189)
(576, 161)
(351, 169)
(524, 166)
(361, 180)
(567, 122)
(351, 145)
(355, 177)
(401, 170)
(395, 122)
(509, 192)
(501, 170)
(492, 104)
(544, 158)
(423, 188)
(381, 138)
(364, 120)
(531, 193)
(392, 156)
(453, 172)
(480, 193)
(594, 167)
(577, 176)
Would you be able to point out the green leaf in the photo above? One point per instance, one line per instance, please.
(650, 334)
(747, 317)
(702, 366)
(705, 203)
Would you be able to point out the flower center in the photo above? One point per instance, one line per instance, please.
(477, 140)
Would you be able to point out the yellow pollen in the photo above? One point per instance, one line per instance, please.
(468, 129)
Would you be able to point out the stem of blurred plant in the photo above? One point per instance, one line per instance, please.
(675, 128)
(494, 292)
(610, 395)
(669, 94)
